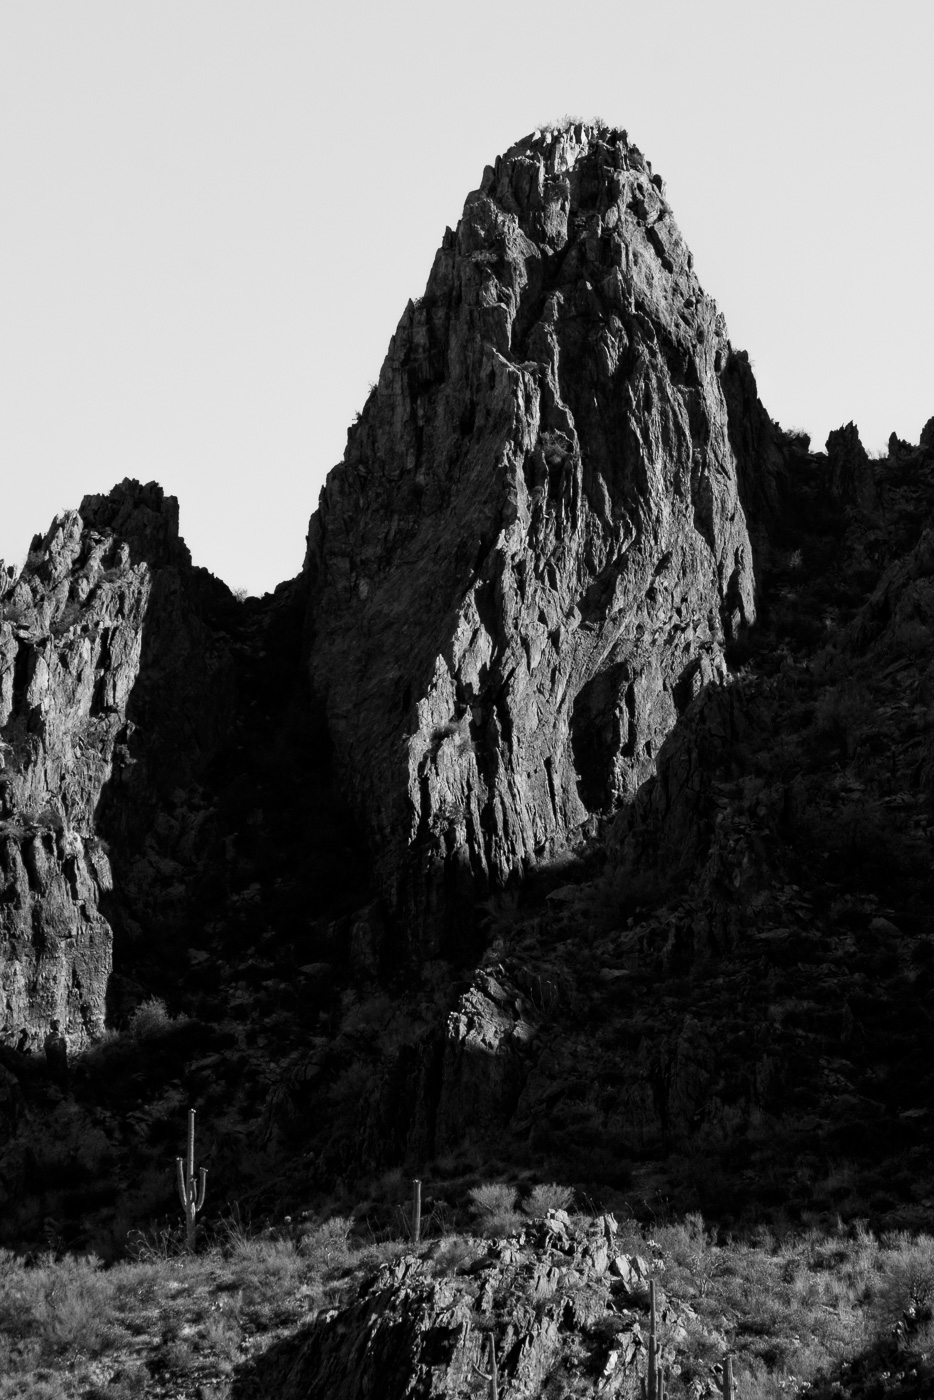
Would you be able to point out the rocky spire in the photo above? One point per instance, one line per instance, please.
(109, 680)
(534, 550)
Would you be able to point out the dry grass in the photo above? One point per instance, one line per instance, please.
(70, 1327)
(792, 1310)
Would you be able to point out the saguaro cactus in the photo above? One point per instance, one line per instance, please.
(416, 1210)
(190, 1193)
(729, 1386)
(493, 1374)
(653, 1382)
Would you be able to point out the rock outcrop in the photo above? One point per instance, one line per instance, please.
(107, 595)
(850, 475)
(424, 1326)
(534, 550)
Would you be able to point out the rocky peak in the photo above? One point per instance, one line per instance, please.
(144, 518)
(850, 476)
(75, 632)
(534, 550)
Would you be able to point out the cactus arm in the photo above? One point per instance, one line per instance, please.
(180, 1170)
(202, 1185)
(492, 1376)
(191, 1143)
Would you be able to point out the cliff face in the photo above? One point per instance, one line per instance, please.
(534, 550)
(107, 593)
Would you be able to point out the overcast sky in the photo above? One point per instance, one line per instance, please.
(213, 213)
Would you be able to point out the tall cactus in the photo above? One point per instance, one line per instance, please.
(416, 1210)
(190, 1193)
(653, 1382)
(729, 1385)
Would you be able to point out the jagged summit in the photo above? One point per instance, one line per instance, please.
(560, 144)
(544, 477)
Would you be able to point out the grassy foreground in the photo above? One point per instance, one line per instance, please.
(839, 1313)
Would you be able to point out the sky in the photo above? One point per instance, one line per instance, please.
(215, 211)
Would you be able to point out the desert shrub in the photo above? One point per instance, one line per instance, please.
(40, 1388)
(701, 1349)
(179, 1356)
(755, 1380)
(381, 1252)
(326, 1246)
(156, 1243)
(494, 1205)
(459, 731)
(151, 1018)
(453, 1253)
(266, 1271)
(71, 1313)
(222, 1334)
(906, 1286)
(265, 1254)
(694, 1256)
(491, 1197)
(547, 1196)
(61, 1305)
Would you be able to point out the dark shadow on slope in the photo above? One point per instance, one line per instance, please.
(250, 845)
(739, 1010)
(236, 870)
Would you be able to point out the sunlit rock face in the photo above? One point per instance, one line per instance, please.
(69, 656)
(534, 550)
(111, 687)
